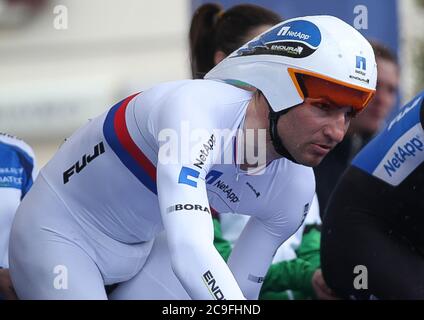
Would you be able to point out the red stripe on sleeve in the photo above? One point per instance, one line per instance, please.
(127, 142)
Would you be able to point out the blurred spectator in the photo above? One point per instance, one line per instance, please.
(17, 173)
(295, 274)
(215, 33)
(363, 127)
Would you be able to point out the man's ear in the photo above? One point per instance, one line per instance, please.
(219, 56)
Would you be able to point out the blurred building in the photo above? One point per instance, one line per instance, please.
(62, 62)
(411, 55)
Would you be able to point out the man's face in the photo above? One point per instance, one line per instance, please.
(310, 130)
(371, 119)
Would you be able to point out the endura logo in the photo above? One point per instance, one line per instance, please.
(403, 153)
(294, 50)
(214, 289)
(253, 189)
(81, 164)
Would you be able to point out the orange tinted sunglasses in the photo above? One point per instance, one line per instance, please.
(314, 85)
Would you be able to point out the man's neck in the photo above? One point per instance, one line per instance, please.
(256, 120)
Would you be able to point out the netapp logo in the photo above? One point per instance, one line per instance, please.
(81, 164)
(296, 39)
(361, 63)
(188, 207)
(405, 152)
(204, 152)
(285, 31)
(227, 190)
(213, 176)
(212, 286)
(185, 175)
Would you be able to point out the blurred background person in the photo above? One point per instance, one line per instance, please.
(215, 33)
(295, 274)
(369, 122)
(363, 127)
(17, 173)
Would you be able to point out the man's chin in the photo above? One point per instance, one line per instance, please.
(311, 161)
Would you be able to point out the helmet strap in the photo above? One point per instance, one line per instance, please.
(275, 138)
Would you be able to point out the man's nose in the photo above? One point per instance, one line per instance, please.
(336, 129)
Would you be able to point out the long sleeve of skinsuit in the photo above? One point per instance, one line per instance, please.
(182, 189)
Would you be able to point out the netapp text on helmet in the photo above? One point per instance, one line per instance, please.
(285, 31)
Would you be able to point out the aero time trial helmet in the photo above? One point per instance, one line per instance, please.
(314, 56)
(286, 61)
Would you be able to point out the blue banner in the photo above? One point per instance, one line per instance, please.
(375, 19)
